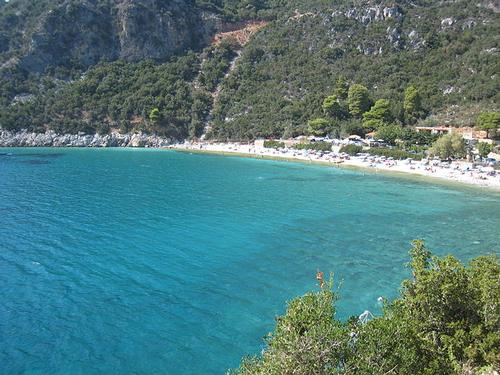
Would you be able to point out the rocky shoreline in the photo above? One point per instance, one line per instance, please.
(53, 139)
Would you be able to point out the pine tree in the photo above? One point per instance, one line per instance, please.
(358, 100)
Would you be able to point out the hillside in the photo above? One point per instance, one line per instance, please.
(157, 66)
(448, 50)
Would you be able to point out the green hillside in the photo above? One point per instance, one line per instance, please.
(85, 81)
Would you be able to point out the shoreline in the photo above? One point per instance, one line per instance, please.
(414, 171)
(400, 170)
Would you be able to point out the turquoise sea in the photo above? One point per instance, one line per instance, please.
(156, 262)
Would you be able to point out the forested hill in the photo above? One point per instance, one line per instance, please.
(151, 65)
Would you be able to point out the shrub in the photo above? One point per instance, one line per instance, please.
(351, 149)
(484, 149)
(394, 153)
(318, 146)
(273, 144)
(449, 146)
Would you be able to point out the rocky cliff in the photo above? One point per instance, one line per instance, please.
(83, 33)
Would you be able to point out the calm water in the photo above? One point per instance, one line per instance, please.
(156, 262)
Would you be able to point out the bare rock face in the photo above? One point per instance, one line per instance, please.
(87, 32)
(73, 31)
(155, 29)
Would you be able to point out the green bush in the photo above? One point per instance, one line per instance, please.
(444, 322)
(273, 144)
(395, 153)
(351, 149)
(449, 146)
(484, 149)
(318, 146)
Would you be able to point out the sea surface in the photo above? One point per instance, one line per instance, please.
(120, 261)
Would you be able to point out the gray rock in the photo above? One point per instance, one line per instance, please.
(52, 139)
(447, 22)
(392, 12)
(372, 14)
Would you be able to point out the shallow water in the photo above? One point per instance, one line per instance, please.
(149, 261)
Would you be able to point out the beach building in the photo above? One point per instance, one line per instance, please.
(468, 133)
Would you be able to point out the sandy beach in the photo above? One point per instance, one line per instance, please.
(459, 172)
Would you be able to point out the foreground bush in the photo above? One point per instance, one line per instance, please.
(445, 322)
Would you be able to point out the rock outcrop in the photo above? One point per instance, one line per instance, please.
(372, 14)
(52, 139)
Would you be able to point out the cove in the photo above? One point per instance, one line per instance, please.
(153, 261)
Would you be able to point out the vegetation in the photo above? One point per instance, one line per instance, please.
(412, 105)
(343, 116)
(490, 122)
(273, 144)
(288, 73)
(334, 108)
(319, 127)
(358, 100)
(395, 153)
(444, 322)
(318, 146)
(351, 149)
(216, 63)
(484, 149)
(116, 95)
(405, 136)
(378, 116)
(449, 146)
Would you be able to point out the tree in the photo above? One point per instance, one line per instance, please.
(336, 128)
(341, 88)
(412, 105)
(334, 108)
(449, 146)
(484, 149)
(155, 115)
(352, 127)
(390, 133)
(319, 127)
(490, 122)
(378, 115)
(358, 100)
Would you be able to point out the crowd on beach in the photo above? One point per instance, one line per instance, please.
(459, 171)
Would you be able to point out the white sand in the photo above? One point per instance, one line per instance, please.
(457, 172)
